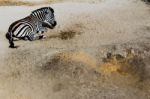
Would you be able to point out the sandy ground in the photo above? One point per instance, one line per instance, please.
(39, 2)
(75, 61)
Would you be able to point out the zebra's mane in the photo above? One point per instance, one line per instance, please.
(43, 9)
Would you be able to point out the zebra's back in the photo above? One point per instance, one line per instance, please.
(22, 27)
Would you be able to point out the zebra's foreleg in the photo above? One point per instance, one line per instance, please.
(44, 29)
(33, 37)
(41, 33)
(24, 38)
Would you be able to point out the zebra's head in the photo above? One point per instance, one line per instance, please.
(46, 15)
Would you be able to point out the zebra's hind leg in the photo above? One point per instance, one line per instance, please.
(24, 38)
(11, 43)
(16, 39)
(10, 38)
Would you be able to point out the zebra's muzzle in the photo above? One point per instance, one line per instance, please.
(54, 24)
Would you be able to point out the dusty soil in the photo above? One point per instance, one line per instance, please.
(97, 51)
(39, 2)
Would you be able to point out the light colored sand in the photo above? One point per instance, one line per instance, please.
(55, 68)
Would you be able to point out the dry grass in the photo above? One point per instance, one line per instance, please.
(89, 1)
(14, 3)
(31, 3)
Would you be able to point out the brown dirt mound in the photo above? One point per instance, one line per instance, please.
(66, 58)
(131, 65)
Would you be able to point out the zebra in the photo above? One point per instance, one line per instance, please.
(50, 18)
(29, 27)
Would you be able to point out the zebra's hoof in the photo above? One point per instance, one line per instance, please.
(13, 46)
(25, 38)
(15, 39)
(42, 32)
(44, 37)
(41, 37)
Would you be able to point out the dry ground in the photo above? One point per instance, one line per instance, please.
(39, 2)
(97, 51)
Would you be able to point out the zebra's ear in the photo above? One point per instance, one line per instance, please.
(51, 9)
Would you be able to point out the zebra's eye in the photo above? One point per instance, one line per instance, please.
(46, 12)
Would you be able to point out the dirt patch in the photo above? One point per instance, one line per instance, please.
(132, 65)
(67, 57)
(65, 35)
(72, 73)
(67, 32)
(79, 71)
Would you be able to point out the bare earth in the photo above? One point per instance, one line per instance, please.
(97, 51)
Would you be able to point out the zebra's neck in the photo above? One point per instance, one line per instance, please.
(40, 18)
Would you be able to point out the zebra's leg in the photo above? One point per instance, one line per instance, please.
(44, 29)
(16, 39)
(33, 37)
(10, 38)
(41, 32)
(11, 43)
(24, 38)
(41, 36)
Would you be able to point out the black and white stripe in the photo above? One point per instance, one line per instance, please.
(31, 26)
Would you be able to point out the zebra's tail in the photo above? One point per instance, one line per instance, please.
(10, 38)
